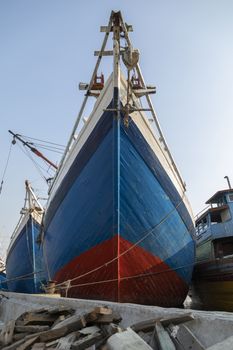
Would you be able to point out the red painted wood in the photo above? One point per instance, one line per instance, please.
(140, 278)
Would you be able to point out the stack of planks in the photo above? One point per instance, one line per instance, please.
(61, 328)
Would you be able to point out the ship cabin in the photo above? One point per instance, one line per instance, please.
(214, 228)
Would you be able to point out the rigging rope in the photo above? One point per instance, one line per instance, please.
(48, 142)
(122, 278)
(5, 169)
(26, 152)
(22, 277)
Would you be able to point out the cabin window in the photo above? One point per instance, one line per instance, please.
(204, 251)
(215, 218)
(230, 196)
(221, 202)
(202, 226)
(223, 248)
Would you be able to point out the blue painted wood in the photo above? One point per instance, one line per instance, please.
(23, 259)
(3, 283)
(84, 214)
(217, 230)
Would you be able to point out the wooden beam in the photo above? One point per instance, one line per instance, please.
(148, 325)
(103, 29)
(7, 332)
(86, 342)
(106, 53)
(163, 338)
(65, 342)
(31, 329)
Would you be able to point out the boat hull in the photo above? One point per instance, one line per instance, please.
(3, 282)
(117, 229)
(213, 284)
(24, 260)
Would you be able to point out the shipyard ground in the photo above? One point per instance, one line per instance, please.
(209, 327)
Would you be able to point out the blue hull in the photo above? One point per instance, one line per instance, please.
(3, 283)
(24, 261)
(117, 227)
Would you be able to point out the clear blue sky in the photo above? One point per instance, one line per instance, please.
(46, 49)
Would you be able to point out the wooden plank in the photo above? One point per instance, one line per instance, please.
(27, 344)
(53, 334)
(59, 319)
(90, 317)
(65, 342)
(104, 29)
(7, 332)
(148, 325)
(39, 319)
(86, 342)
(108, 318)
(185, 338)
(52, 344)
(39, 346)
(104, 319)
(31, 329)
(164, 340)
(103, 310)
(61, 310)
(106, 53)
(110, 329)
(89, 330)
(16, 345)
(177, 319)
(18, 336)
(59, 332)
(73, 323)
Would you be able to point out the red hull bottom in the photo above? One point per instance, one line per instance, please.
(135, 277)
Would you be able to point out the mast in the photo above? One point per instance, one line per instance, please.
(116, 138)
(31, 205)
(130, 58)
(71, 139)
(31, 198)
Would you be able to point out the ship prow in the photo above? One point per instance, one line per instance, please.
(24, 255)
(118, 225)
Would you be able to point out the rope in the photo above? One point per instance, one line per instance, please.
(6, 166)
(46, 261)
(26, 152)
(22, 277)
(46, 142)
(126, 278)
(130, 248)
(28, 244)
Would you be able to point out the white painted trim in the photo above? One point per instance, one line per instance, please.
(139, 118)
